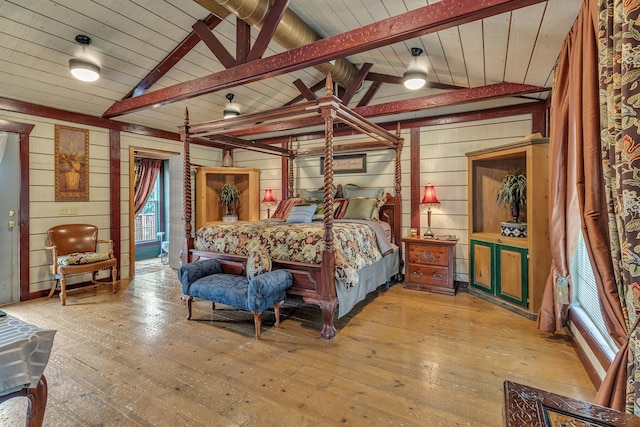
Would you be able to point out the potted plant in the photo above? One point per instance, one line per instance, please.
(230, 198)
(70, 164)
(512, 194)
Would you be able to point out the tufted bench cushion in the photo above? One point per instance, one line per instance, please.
(205, 280)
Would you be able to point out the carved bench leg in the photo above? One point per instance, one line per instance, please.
(276, 310)
(257, 320)
(189, 303)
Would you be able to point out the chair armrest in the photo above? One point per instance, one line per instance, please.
(270, 282)
(110, 242)
(54, 258)
(189, 273)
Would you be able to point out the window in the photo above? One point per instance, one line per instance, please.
(585, 298)
(147, 223)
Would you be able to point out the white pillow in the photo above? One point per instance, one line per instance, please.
(301, 213)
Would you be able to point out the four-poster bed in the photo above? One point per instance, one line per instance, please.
(315, 283)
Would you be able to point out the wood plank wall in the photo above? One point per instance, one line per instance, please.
(45, 212)
(443, 163)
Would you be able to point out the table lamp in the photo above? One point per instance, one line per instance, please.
(429, 198)
(268, 200)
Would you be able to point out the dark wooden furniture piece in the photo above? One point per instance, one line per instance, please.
(37, 398)
(81, 240)
(526, 406)
(314, 283)
(24, 354)
(509, 271)
(429, 265)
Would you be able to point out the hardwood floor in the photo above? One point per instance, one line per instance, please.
(402, 358)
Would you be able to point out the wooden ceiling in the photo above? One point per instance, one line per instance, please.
(158, 57)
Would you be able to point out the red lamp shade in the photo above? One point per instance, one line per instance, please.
(268, 196)
(429, 196)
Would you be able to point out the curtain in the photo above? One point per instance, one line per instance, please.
(146, 172)
(619, 69)
(574, 159)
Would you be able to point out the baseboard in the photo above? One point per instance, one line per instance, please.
(504, 304)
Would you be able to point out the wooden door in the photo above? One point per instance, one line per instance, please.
(512, 278)
(482, 266)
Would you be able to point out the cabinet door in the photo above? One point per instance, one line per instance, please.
(482, 263)
(512, 278)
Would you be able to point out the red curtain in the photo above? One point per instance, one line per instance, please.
(146, 172)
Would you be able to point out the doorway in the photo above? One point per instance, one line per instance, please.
(9, 229)
(150, 231)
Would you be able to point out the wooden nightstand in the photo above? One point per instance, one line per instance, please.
(429, 265)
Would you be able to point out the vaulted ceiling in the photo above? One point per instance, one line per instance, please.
(158, 57)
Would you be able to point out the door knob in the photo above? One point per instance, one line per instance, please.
(12, 224)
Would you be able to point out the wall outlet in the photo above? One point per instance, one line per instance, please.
(68, 210)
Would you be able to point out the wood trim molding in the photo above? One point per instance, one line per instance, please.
(23, 130)
(414, 169)
(593, 346)
(115, 196)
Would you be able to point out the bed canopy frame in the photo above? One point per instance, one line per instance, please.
(325, 110)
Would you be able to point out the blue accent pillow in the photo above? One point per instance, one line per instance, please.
(301, 213)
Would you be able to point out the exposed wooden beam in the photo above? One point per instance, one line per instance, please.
(304, 90)
(461, 96)
(316, 87)
(369, 94)
(454, 97)
(36, 110)
(428, 19)
(469, 116)
(173, 58)
(243, 41)
(356, 83)
(214, 45)
(268, 29)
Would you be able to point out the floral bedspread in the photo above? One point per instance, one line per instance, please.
(354, 244)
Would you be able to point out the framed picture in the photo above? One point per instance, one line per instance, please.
(348, 163)
(71, 163)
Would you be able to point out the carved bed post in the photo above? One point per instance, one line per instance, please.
(186, 190)
(290, 175)
(398, 200)
(328, 305)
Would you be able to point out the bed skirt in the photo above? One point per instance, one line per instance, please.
(370, 277)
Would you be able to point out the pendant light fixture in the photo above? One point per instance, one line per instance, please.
(416, 76)
(82, 68)
(232, 109)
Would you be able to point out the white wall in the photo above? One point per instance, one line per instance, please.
(45, 212)
(443, 163)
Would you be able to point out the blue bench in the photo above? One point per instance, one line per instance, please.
(206, 280)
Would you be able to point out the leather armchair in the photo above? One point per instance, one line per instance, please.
(74, 251)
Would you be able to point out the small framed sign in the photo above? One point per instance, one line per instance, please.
(348, 163)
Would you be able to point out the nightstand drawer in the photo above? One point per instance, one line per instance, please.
(428, 275)
(431, 254)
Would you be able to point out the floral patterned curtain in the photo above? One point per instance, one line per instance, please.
(619, 65)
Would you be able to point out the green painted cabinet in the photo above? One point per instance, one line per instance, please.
(500, 270)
